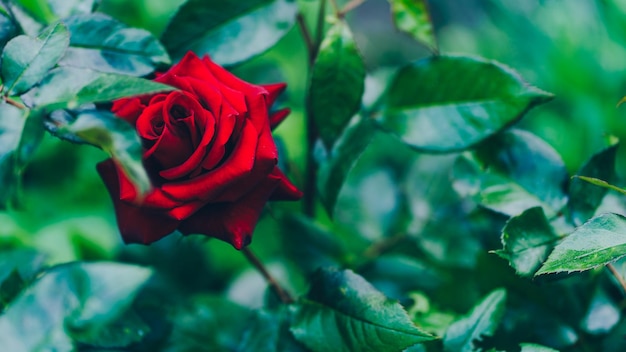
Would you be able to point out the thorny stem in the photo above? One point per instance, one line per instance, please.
(617, 276)
(282, 294)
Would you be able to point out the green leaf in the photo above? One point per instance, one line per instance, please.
(447, 103)
(104, 44)
(113, 135)
(70, 87)
(482, 321)
(269, 332)
(8, 29)
(503, 174)
(337, 83)
(602, 314)
(231, 31)
(208, 323)
(129, 328)
(595, 243)
(26, 60)
(527, 240)
(335, 166)
(322, 248)
(66, 8)
(585, 197)
(343, 312)
(531, 347)
(412, 17)
(17, 267)
(73, 296)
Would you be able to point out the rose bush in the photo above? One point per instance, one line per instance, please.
(209, 152)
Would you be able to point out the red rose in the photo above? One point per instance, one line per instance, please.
(209, 152)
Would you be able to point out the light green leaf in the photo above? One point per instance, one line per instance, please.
(595, 243)
(26, 60)
(104, 44)
(70, 87)
(72, 296)
(343, 312)
(66, 8)
(113, 135)
(412, 17)
(482, 321)
(337, 83)
(335, 166)
(449, 103)
(585, 197)
(511, 172)
(531, 347)
(230, 31)
(527, 240)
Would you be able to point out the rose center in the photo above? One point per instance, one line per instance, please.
(179, 112)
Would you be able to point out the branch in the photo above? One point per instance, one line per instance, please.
(284, 296)
(349, 7)
(617, 276)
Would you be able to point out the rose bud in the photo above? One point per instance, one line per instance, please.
(209, 152)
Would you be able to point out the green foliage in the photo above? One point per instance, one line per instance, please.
(413, 18)
(449, 103)
(481, 322)
(597, 242)
(337, 83)
(230, 31)
(344, 312)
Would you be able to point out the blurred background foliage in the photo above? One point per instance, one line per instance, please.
(575, 49)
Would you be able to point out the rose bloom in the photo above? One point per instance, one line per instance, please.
(209, 152)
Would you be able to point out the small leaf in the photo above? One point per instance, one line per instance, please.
(104, 44)
(343, 312)
(412, 17)
(26, 60)
(503, 173)
(337, 83)
(72, 296)
(595, 243)
(335, 166)
(446, 103)
(113, 135)
(69, 87)
(531, 347)
(585, 197)
(482, 321)
(527, 240)
(230, 31)
(67, 8)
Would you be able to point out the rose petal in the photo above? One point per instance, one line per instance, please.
(238, 165)
(285, 189)
(277, 117)
(273, 91)
(231, 222)
(128, 109)
(136, 224)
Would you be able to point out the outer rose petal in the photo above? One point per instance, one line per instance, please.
(278, 117)
(136, 224)
(129, 109)
(232, 222)
(274, 91)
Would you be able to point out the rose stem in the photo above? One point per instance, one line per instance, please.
(617, 276)
(284, 296)
(349, 7)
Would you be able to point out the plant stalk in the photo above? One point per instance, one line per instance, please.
(282, 294)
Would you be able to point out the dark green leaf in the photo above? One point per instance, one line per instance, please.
(113, 135)
(343, 312)
(322, 248)
(511, 172)
(482, 321)
(230, 31)
(584, 196)
(335, 166)
(26, 60)
(411, 16)
(104, 44)
(8, 29)
(122, 332)
(73, 296)
(269, 332)
(337, 83)
(531, 347)
(209, 323)
(70, 87)
(527, 240)
(446, 103)
(16, 268)
(597, 242)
